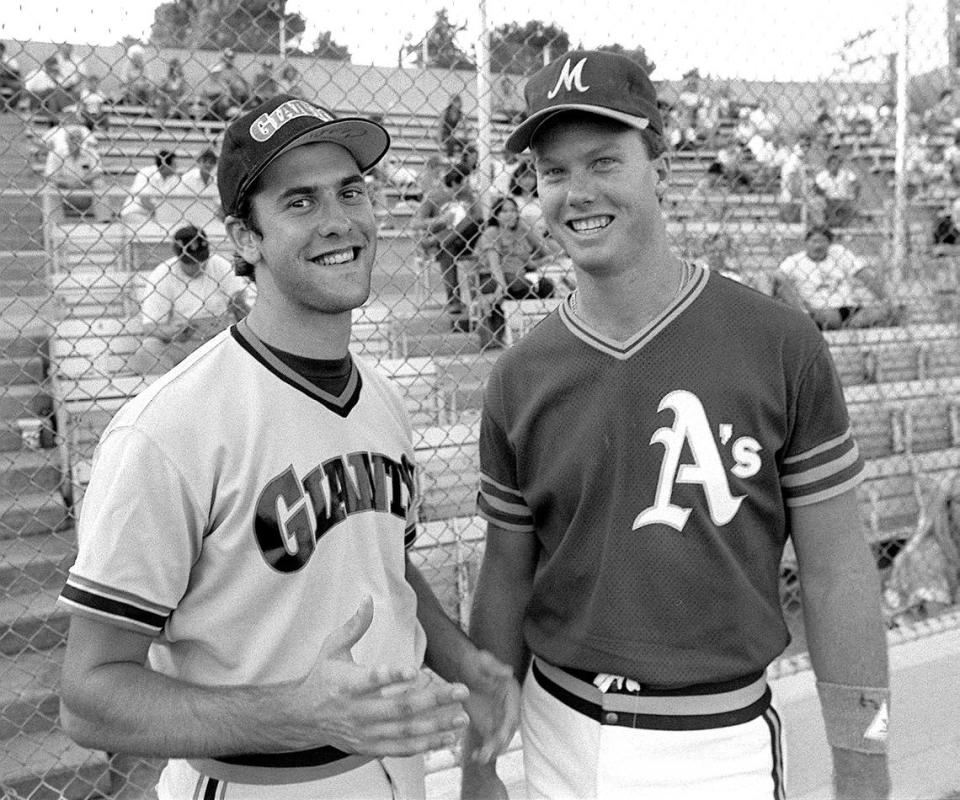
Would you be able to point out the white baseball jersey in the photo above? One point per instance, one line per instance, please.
(239, 514)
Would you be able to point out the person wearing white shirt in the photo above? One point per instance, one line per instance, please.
(201, 179)
(840, 187)
(186, 300)
(74, 177)
(150, 186)
(831, 284)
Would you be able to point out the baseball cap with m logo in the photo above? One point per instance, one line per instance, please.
(607, 84)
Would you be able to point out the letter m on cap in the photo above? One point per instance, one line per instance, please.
(570, 79)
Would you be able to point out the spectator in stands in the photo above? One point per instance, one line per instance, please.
(763, 120)
(508, 256)
(866, 116)
(952, 156)
(290, 81)
(264, 85)
(523, 190)
(11, 81)
(401, 178)
(942, 114)
(797, 183)
(832, 285)
(137, 87)
(708, 200)
(92, 105)
(74, 178)
(43, 90)
(450, 133)
(431, 175)
(171, 93)
(72, 72)
(201, 179)
(186, 300)
(229, 90)
(824, 122)
(150, 186)
(946, 227)
(840, 188)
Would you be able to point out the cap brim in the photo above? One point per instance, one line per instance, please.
(364, 139)
(520, 139)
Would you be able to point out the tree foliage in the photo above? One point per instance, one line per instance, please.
(637, 54)
(519, 49)
(243, 25)
(326, 47)
(441, 45)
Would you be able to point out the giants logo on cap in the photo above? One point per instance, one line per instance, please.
(266, 125)
(569, 78)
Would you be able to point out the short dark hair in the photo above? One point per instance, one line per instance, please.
(819, 230)
(245, 214)
(165, 158)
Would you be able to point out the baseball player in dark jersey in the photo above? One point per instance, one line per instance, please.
(645, 453)
(242, 600)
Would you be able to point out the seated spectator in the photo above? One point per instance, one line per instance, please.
(505, 166)
(763, 119)
(74, 179)
(942, 114)
(523, 190)
(797, 196)
(186, 300)
(930, 174)
(733, 159)
(865, 116)
(43, 90)
(11, 81)
(72, 72)
(264, 85)
(450, 133)
(844, 113)
(150, 186)
(170, 97)
(290, 81)
(92, 105)
(431, 175)
(401, 178)
(840, 188)
(201, 179)
(228, 90)
(832, 285)
(137, 88)
(946, 227)
(508, 254)
(708, 200)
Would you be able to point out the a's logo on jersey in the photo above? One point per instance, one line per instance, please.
(569, 78)
(293, 515)
(690, 427)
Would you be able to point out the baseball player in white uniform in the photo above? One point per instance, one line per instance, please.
(645, 453)
(242, 603)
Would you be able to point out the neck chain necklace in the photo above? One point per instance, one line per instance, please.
(686, 271)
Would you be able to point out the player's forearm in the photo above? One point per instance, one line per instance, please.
(496, 617)
(847, 645)
(131, 709)
(449, 652)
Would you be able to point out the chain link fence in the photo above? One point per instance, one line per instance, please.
(106, 154)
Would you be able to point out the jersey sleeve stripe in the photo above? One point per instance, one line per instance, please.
(494, 487)
(111, 593)
(409, 537)
(825, 447)
(510, 522)
(825, 494)
(111, 611)
(815, 472)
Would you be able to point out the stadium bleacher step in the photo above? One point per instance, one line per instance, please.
(31, 622)
(29, 701)
(20, 400)
(50, 767)
(20, 370)
(27, 472)
(32, 514)
(29, 563)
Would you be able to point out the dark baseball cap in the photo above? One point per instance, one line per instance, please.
(596, 82)
(254, 140)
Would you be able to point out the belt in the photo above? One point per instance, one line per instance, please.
(657, 711)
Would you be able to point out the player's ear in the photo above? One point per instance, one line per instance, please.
(246, 241)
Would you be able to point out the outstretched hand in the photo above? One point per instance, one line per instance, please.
(380, 710)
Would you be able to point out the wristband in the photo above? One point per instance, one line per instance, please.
(855, 716)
